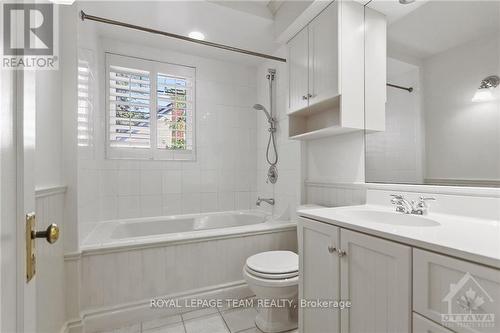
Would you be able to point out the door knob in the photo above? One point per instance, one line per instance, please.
(331, 249)
(51, 234)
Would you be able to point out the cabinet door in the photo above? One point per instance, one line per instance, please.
(318, 275)
(324, 55)
(424, 325)
(460, 295)
(376, 278)
(298, 55)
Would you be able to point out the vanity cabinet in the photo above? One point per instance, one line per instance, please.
(393, 287)
(339, 264)
(326, 73)
(375, 275)
(319, 276)
(444, 285)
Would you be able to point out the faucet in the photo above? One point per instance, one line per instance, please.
(269, 201)
(404, 206)
(421, 207)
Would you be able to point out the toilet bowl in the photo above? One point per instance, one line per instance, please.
(273, 276)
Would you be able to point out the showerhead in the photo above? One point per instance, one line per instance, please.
(260, 107)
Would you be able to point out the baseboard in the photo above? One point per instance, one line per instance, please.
(107, 318)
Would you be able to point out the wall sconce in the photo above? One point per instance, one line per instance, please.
(483, 93)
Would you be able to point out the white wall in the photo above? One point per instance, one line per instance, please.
(48, 153)
(462, 136)
(395, 155)
(339, 158)
(287, 190)
(223, 175)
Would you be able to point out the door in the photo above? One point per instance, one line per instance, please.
(324, 55)
(17, 198)
(298, 54)
(376, 278)
(318, 275)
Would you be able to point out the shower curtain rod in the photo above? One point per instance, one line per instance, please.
(400, 87)
(85, 16)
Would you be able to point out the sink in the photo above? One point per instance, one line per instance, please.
(391, 218)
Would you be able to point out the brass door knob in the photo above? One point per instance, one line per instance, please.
(51, 234)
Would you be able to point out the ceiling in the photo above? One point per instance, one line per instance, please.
(425, 28)
(243, 24)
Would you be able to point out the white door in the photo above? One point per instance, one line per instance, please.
(318, 275)
(324, 55)
(376, 278)
(298, 63)
(17, 198)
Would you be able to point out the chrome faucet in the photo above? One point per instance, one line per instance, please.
(269, 201)
(420, 207)
(402, 205)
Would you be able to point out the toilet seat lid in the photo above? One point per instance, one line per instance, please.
(274, 262)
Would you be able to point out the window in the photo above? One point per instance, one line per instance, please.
(150, 109)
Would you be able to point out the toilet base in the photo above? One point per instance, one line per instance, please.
(274, 320)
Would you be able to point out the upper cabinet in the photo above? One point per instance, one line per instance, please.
(298, 59)
(326, 73)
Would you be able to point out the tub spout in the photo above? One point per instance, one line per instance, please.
(270, 201)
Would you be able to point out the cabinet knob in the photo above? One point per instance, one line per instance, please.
(332, 249)
(304, 97)
(341, 253)
(309, 96)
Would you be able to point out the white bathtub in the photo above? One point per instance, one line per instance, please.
(130, 261)
(139, 231)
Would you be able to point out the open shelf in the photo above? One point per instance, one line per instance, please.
(320, 120)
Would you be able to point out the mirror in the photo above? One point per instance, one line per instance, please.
(442, 114)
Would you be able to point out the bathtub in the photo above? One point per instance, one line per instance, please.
(140, 231)
(130, 261)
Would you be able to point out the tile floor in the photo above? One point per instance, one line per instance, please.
(210, 320)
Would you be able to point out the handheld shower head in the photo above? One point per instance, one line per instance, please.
(260, 107)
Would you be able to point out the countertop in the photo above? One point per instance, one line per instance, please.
(476, 240)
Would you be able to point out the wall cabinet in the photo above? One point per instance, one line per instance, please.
(326, 73)
(374, 274)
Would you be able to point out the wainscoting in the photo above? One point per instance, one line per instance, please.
(50, 276)
(115, 286)
(332, 194)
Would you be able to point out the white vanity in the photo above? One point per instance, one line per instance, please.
(402, 272)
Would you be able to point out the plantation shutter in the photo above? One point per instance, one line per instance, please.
(129, 107)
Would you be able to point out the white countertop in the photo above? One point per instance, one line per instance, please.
(472, 239)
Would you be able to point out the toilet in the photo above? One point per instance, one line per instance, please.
(273, 276)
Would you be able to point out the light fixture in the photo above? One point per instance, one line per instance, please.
(196, 35)
(406, 2)
(483, 93)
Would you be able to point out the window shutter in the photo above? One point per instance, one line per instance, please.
(174, 114)
(129, 107)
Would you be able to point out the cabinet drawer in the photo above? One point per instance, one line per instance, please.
(460, 295)
(424, 325)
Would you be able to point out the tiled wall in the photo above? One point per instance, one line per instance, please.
(396, 154)
(223, 177)
(287, 189)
